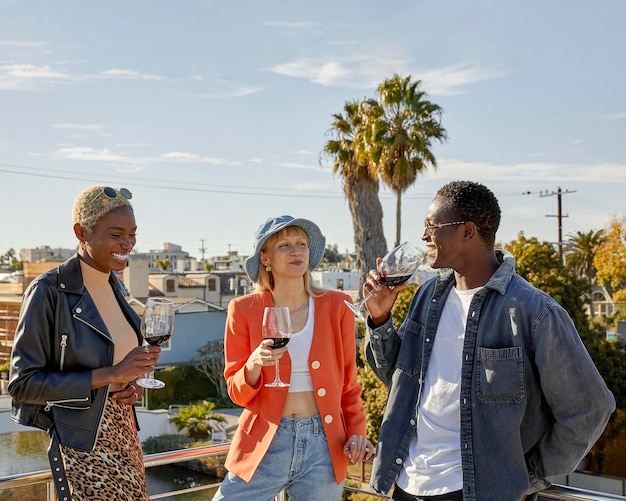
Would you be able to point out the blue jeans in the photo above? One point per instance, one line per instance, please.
(297, 461)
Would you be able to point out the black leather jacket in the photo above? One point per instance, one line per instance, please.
(60, 339)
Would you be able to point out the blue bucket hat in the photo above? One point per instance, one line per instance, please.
(317, 241)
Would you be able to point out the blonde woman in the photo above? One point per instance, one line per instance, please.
(299, 438)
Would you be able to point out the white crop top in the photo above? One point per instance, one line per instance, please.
(299, 347)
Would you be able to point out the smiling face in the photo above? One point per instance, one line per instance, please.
(107, 247)
(445, 244)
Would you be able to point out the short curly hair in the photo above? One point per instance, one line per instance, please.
(92, 203)
(471, 201)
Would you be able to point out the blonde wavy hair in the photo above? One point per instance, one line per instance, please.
(92, 203)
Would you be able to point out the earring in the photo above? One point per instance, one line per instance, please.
(268, 268)
(83, 245)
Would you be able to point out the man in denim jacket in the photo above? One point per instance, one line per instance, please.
(491, 389)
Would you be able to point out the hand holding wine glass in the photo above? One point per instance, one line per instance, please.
(277, 326)
(396, 267)
(157, 326)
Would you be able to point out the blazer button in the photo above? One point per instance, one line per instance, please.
(79, 310)
(315, 364)
(328, 419)
(321, 392)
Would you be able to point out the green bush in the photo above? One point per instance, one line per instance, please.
(183, 384)
(164, 443)
(196, 419)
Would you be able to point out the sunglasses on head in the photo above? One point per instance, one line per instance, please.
(111, 193)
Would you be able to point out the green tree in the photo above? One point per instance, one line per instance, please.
(332, 255)
(9, 258)
(404, 130)
(210, 362)
(164, 264)
(540, 264)
(347, 151)
(610, 258)
(197, 419)
(582, 248)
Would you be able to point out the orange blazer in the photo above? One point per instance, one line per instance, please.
(332, 364)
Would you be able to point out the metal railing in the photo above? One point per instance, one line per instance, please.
(556, 492)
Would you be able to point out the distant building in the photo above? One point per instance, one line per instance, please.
(45, 254)
(179, 259)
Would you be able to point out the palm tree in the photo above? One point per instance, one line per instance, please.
(582, 247)
(403, 135)
(347, 151)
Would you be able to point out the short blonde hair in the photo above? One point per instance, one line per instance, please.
(94, 202)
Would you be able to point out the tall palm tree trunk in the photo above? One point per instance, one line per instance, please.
(367, 220)
(398, 217)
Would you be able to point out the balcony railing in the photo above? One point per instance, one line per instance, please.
(556, 492)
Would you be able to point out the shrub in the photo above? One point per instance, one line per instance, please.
(164, 443)
(197, 419)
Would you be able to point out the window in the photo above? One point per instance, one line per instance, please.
(170, 285)
(212, 284)
(339, 285)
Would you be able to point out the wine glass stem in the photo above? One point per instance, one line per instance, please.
(277, 378)
(362, 302)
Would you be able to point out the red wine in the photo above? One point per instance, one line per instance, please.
(279, 342)
(392, 280)
(157, 340)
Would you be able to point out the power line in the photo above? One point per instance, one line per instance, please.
(559, 215)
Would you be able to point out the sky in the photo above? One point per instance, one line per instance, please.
(215, 114)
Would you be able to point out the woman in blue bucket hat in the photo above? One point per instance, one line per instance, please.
(297, 438)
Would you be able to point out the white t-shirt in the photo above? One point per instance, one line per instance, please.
(433, 466)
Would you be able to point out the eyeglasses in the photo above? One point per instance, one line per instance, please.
(111, 193)
(430, 227)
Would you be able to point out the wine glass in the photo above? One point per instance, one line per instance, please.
(157, 325)
(397, 266)
(277, 326)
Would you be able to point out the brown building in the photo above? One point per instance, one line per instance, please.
(10, 302)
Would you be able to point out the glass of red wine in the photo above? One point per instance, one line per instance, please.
(277, 326)
(157, 325)
(396, 267)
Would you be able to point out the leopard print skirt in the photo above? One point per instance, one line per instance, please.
(114, 470)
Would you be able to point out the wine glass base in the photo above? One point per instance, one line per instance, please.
(354, 309)
(153, 384)
(277, 384)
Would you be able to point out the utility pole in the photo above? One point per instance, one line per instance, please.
(202, 249)
(559, 215)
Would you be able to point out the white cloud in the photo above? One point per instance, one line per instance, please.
(183, 157)
(450, 80)
(613, 116)
(88, 154)
(228, 92)
(369, 71)
(294, 24)
(22, 44)
(530, 172)
(295, 165)
(119, 74)
(83, 127)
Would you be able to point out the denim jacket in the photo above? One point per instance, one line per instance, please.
(532, 401)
